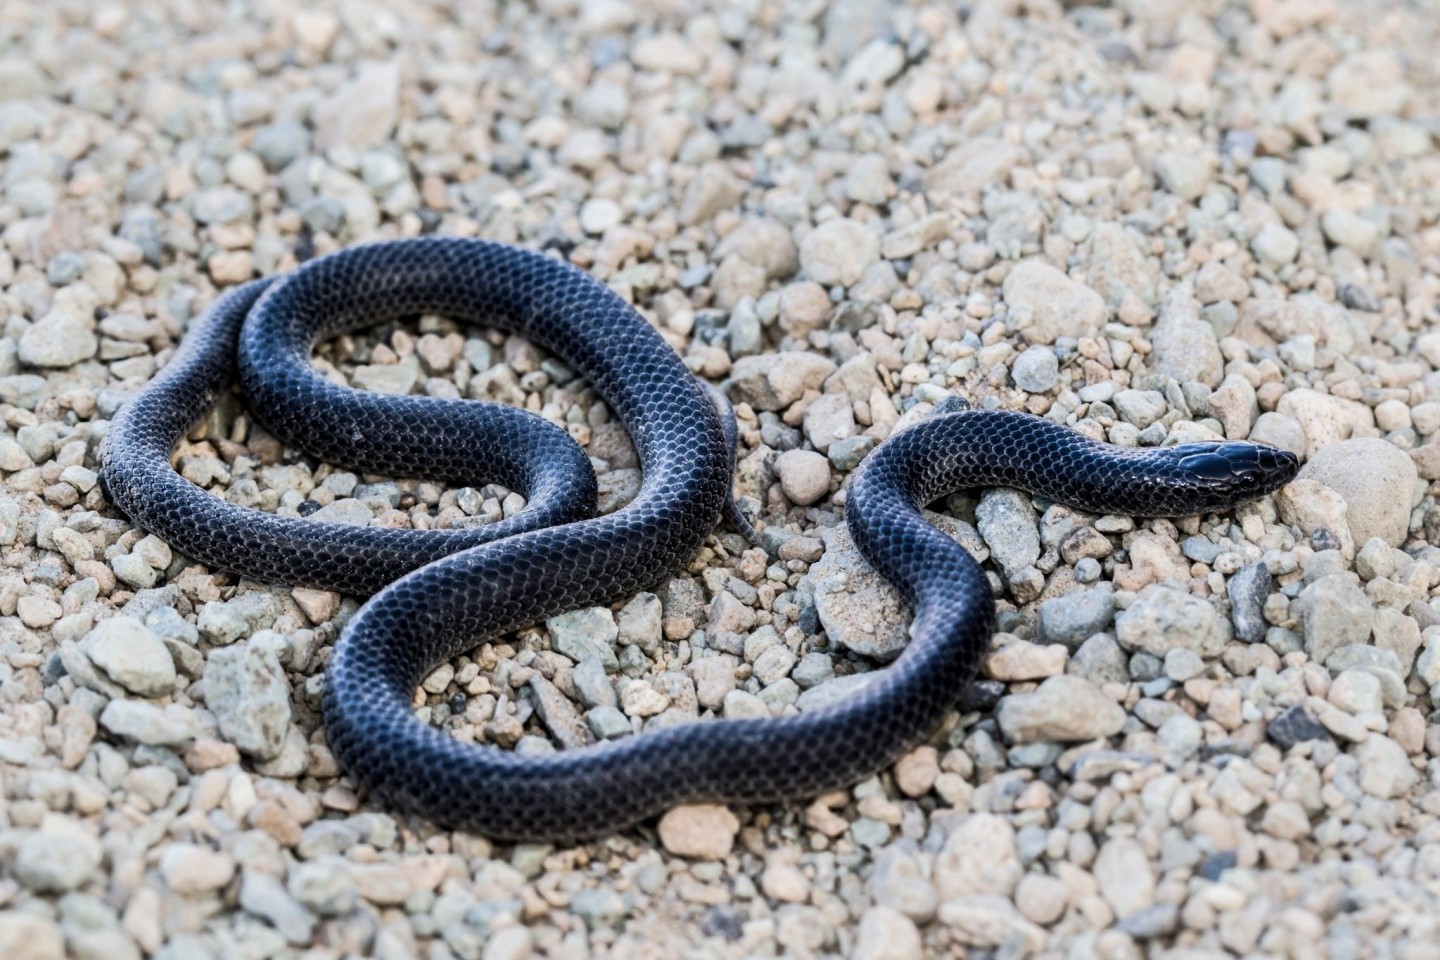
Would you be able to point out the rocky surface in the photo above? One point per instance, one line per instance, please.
(1192, 738)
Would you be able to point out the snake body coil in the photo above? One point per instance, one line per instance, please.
(452, 589)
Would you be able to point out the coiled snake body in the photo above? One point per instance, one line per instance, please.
(442, 592)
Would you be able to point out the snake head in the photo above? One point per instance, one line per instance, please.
(1237, 470)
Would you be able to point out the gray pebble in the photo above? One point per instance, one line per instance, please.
(804, 475)
(1007, 522)
(382, 169)
(599, 907)
(1140, 407)
(323, 886)
(1064, 708)
(1335, 612)
(1375, 479)
(1275, 244)
(247, 690)
(639, 622)
(593, 684)
(1215, 865)
(394, 378)
(279, 144)
(324, 214)
(1248, 590)
(813, 669)
(557, 713)
(582, 633)
(870, 833)
(224, 622)
(327, 838)
(828, 419)
(743, 331)
(633, 661)
(145, 186)
(57, 340)
(265, 896)
(714, 678)
(1358, 296)
(1100, 660)
(1034, 756)
(1186, 347)
(1145, 668)
(1181, 664)
(1150, 923)
(1036, 370)
(608, 723)
(846, 453)
(1183, 173)
(1201, 549)
(56, 862)
(133, 571)
(1075, 617)
(128, 653)
(219, 205)
(1163, 618)
(1181, 734)
(1295, 725)
(773, 664)
(64, 268)
(773, 381)
(148, 723)
(354, 513)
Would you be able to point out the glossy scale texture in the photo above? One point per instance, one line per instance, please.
(263, 333)
(447, 606)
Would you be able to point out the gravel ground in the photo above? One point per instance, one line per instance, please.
(1154, 221)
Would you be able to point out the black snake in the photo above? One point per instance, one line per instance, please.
(441, 592)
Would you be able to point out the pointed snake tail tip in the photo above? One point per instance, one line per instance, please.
(735, 518)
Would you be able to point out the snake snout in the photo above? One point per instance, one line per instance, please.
(1278, 466)
(1267, 468)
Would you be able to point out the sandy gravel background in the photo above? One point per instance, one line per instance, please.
(1153, 221)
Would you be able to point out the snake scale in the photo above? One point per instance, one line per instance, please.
(437, 594)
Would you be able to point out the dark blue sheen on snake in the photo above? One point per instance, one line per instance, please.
(440, 593)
